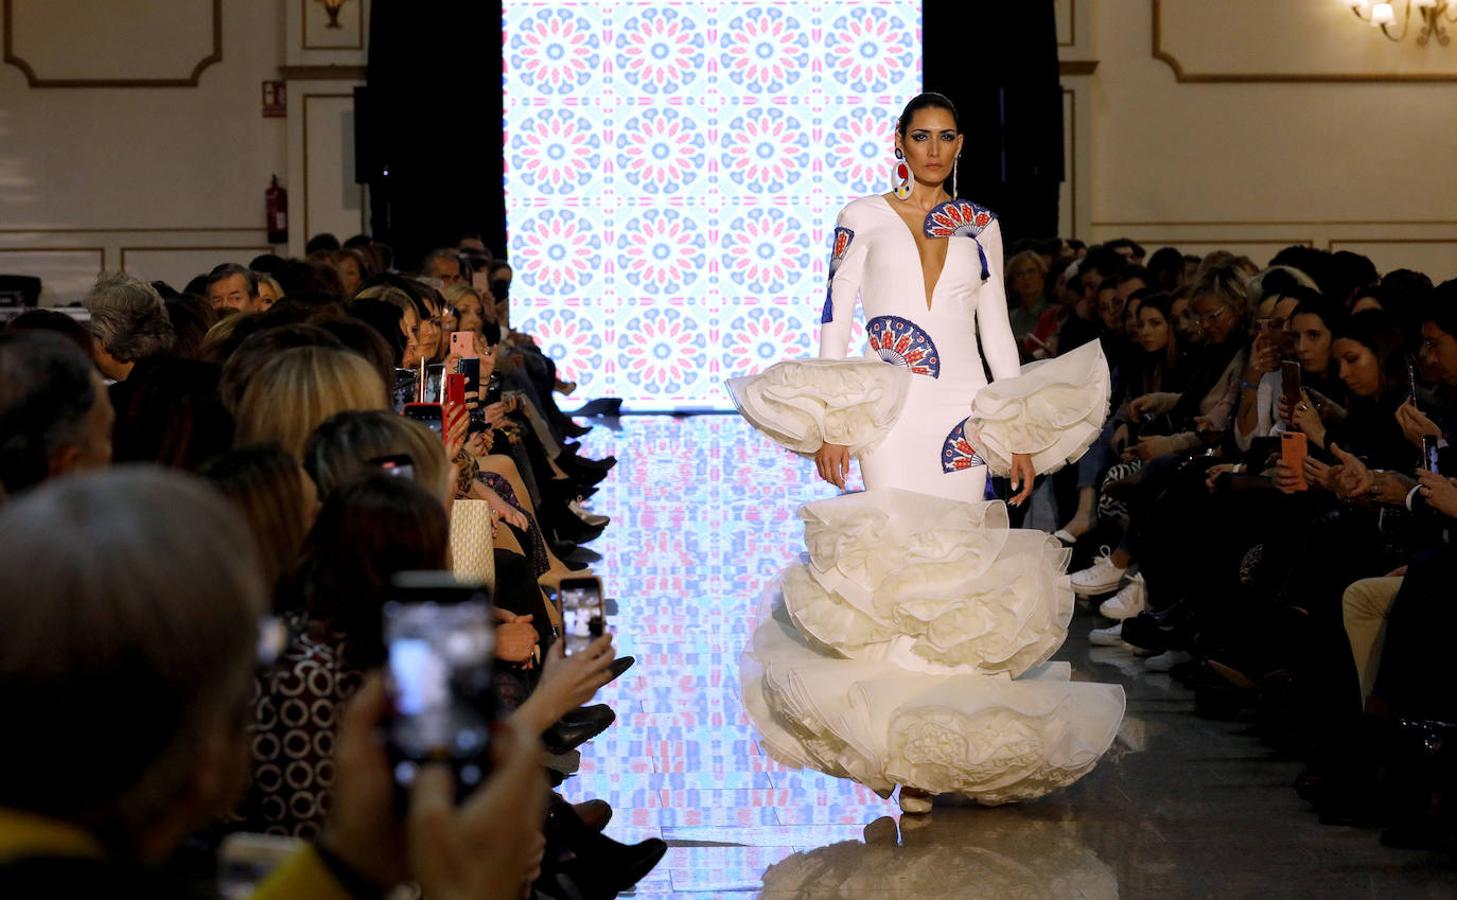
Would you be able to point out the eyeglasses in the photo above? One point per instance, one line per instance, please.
(1213, 315)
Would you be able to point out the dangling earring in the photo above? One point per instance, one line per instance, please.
(954, 164)
(903, 176)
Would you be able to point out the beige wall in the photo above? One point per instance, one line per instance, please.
(137, 139)
(1252, 153)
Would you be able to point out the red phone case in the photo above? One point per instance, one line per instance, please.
(455, 388)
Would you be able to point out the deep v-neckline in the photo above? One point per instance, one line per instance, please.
(920, 261)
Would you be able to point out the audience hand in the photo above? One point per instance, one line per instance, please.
(1024, 477)
(1415, 425)
(1264, 359)
(1151, 448)
(1354, 479)
(1287, 480)
(515, 637)
(1440, 492)
(363, 829)
(566, 683)
(457, 428)
(1391, 488)
(833, 463)
(507, 513)
(1120, 439)
(489, 846)
(1139, 407)
(1304, 418)
(480, 443)
(1321, 475)
(1212, 475)
(496, 414)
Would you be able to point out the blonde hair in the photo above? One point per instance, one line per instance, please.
(292, 393)
(1026, 258)
(217, 336)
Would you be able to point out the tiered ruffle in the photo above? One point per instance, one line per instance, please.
(804, 403)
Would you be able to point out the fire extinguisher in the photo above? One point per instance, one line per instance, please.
(276, 200)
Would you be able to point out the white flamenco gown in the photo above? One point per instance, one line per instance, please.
(911, 647)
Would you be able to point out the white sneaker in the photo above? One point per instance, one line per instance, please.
(1099, 578)
(1128, 602)
(1112, 636)
(1167, 660)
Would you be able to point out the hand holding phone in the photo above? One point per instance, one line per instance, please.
(463, 344)
(431, 415)
(1290, 383)
(584, 613)
(1293, 450)
(440, 640)
(1430, 455)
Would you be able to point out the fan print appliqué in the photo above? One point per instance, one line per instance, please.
(957, 454)
(843, 237)
(901, 342)
(961, 218)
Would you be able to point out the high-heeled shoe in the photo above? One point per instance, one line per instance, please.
(577, 728)
(574, 430)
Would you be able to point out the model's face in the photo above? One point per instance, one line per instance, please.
(1359, 369)
(1312, 343)
(1153, 330)
(1439, 352)
(930, 145)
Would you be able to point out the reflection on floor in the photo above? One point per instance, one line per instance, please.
(703, 517)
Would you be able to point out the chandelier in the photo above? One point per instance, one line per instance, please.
(1433, 14)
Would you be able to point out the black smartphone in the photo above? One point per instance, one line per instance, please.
(1411, 380)
(400, 465)
(493, 390)
(1430, 454)
(431, 415)
(404, 389)
(1290, 382)
(440, 638)
(584, 613)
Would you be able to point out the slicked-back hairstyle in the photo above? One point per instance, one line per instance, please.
(128, 317)
(129, 605)
(292, 393)
(228, 270)
(46, 394)
(928, 100)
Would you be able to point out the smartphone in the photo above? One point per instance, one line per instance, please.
(1429, 454)
(440, 638)
(493, 390)
(463, 344)
(454, 388)
(431, 415)
(404, 389)
(1292, 454)
(400, 465)
(1411, 380)
(434, 383)
(584, 613)
(1290, 382)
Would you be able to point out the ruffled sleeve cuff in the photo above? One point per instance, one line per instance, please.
(805, 403)
(1053, 411)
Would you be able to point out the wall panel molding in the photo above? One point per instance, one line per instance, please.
(36, 79)
(1308, 23)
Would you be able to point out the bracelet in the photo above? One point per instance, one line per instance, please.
(1247, 386)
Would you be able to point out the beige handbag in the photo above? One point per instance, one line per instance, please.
(472, 544)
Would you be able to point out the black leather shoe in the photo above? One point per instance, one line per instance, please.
(578, 727)
(575, 430)
(602, 406)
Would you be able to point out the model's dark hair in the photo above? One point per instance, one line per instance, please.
(928, 100)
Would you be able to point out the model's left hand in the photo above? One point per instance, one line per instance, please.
(1023, 475)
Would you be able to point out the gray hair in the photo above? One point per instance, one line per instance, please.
(128, 317)
(442, 253)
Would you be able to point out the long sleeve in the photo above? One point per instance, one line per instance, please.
(993, 323)
(847, 266)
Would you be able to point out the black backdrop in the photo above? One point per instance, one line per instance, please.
(998, 64)
(432, 111)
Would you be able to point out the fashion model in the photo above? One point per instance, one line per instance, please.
(911, 648)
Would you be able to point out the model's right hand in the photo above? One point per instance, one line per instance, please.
(833, 463)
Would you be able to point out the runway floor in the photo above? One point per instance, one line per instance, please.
(704, 518)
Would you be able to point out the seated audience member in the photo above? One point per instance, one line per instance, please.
(1166, 268)
(1027, 295)
(180, 598)
(269, 291)
(291, 393)
(55, 412)
(191, 317)
(54, 322)
(354, 269)
(324, 242)
(278, 501)
(243, 358)
(128, 324)
(1278, 338)
(443, 265)
(169, 411)
(231, 286)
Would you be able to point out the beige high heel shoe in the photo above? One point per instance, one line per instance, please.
(915, 802)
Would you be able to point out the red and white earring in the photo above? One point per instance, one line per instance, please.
(903, 177)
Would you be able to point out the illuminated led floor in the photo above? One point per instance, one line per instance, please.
(703, 519)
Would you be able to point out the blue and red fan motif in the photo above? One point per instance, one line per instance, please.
(957, 454)
(843, 237)
(903, 343)
(958, 218)
(961, 218)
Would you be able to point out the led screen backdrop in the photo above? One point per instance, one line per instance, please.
(673, 173)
